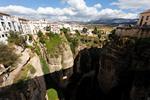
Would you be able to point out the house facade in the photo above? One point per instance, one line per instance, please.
(144, 19)
(7, 23)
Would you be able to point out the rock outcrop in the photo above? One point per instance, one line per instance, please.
(119, 71)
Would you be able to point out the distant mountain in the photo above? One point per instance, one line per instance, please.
(115, 21)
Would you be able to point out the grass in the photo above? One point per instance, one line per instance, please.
(52, 43)
(45, 66)
(24, 73)
(32, 69)
(52, 94)
(37, 50)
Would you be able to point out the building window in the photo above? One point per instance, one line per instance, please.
(141, 21)
(145, 23)
(147, 17)
(6, 35)
(9, 24)
(3, 35)
(3, 24)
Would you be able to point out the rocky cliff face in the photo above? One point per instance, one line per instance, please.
(31, 78)
(25, 82)
(63, 60)
(119, 71)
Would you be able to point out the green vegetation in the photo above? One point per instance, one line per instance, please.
(17, 39)
(30, 37)
(24, 73)
(95, 31)
(84, 30)
(37, 50)
(32, 69)
(45, 67)
(74, 41)
(53, 43)
(40, 34)
(64, 30)
(52, 94)
(44, 64)
(7, 56)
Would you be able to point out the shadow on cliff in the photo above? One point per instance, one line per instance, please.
(35, 89)
(118, 71)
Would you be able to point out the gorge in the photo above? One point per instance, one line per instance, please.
(119, 70)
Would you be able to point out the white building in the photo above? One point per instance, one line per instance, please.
(37, 25)
(5, 26)
(25, 26)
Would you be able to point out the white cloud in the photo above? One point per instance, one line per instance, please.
(109, 13)
(55, 11)
(76, 10)
(132, 4)
(98, 5)
(77, 4)
(13, 9)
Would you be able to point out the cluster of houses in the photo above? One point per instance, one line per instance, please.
(25, 26)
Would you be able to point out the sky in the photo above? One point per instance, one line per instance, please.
(74, 10)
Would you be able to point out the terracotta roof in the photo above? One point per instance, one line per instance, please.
(4, 14)
(147, 11)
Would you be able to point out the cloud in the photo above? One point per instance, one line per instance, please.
(132, 4)
(77, 4)
(13, 9)
(110, 13)
(55, 11)
(76, 10)
(98, 5)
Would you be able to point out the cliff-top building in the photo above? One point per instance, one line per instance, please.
(144, 18)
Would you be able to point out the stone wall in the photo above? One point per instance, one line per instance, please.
(139, 32)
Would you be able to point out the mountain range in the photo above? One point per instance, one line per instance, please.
(115, 21)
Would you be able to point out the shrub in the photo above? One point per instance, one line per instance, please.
(52, 94)
(17, 39)
(7, 56)
(40, 34)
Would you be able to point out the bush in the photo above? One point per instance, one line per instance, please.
(7, 56)
(17, 39)
(40, 34)
(52, 94)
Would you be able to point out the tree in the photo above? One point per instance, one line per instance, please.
(84, 30)
(17, 39)
(64, 30)
(95, 31)
(77, 32)
(48, 28)
(7, 56)
(40, 34)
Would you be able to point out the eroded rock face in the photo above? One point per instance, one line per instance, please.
(32, 88)
(62, 60)
(119, 71)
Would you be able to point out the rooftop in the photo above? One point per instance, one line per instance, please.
(4, 14)
(147, 11)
